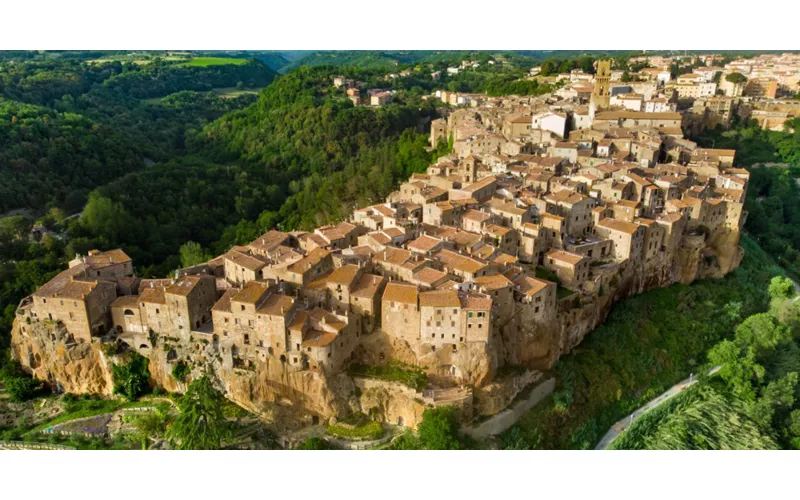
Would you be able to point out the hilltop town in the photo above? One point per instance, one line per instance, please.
(503, 254)
(708, 91)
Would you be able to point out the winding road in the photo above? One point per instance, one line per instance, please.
(626, 422)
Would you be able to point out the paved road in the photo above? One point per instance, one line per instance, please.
(623, 424)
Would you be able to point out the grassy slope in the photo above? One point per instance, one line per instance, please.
(648, 343)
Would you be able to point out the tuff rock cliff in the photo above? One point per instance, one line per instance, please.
(467, 379)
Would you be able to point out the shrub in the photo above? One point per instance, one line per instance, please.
(180, 371)
(395, 371)
(22, 388)
(439, 429)
(133, 378)
(19, 385)
(518, 438)
(370, 431)
(408, 441)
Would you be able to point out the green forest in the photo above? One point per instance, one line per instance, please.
(145, 157)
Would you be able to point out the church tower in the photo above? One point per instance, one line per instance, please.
(601, 94)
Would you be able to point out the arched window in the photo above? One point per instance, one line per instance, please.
(128, 312)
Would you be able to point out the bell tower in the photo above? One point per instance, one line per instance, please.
(601, 94)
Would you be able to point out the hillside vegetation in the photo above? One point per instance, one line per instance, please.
(648, 343)
(754, 400)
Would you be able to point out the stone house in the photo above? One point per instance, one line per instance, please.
(240, 267)
(111, 264)
(572, 269)
(365, 300)
(440, 319)
(400, 315)
(442, 213)
(537, 292)
(190, 300)
(81, 304)
(627, 237)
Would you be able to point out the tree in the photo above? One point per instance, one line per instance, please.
(151, 425)
(761, 333)
(736, 78)
(22, 388)
(105, 217)
(777, 396)
(193, 254)
(19, 385)
(780, 288)
(16, 226)
(733, 311)
(132, 379)
(736, 370)
(439, 429)
(201, 424)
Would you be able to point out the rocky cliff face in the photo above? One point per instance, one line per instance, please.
(292, 398)
(49, 352)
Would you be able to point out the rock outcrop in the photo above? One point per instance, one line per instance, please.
(468, 378)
